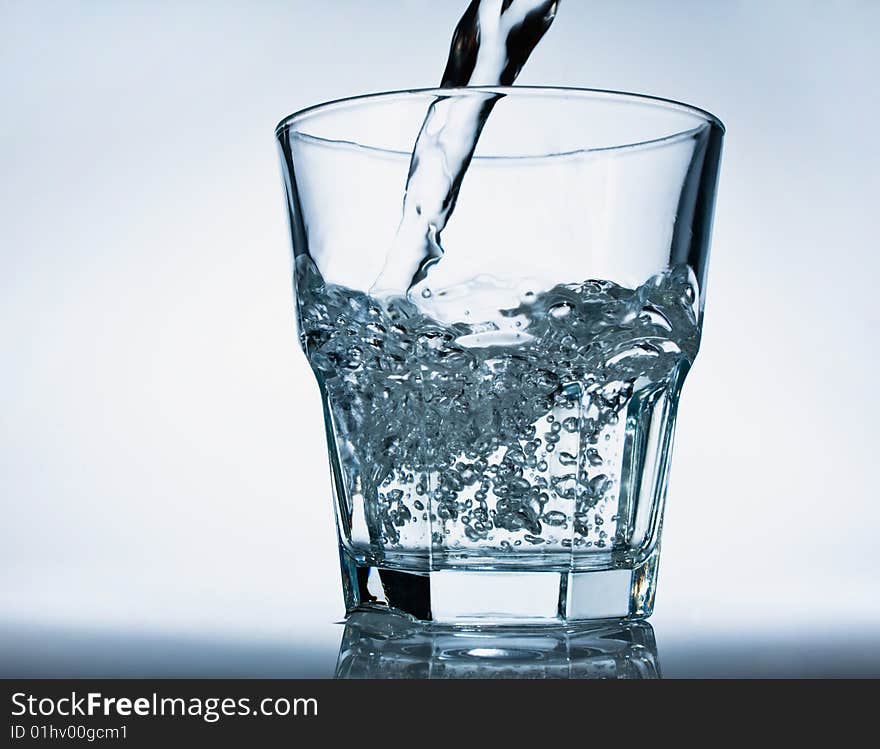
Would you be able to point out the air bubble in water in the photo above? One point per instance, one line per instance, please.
(563, 309)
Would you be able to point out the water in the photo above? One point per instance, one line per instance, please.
(491, 43)
(496, 435)
(463, 426)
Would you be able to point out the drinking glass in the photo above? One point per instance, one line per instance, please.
(499, 433)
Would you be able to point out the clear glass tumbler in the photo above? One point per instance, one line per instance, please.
(499, 434)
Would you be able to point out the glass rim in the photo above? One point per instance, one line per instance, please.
(646, 100)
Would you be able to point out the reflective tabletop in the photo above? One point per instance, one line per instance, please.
(383, 646)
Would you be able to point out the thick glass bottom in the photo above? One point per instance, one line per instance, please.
(502, 597)
(384, 646)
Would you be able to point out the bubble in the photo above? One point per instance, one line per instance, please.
(563, 309)
(355, 357)
(426, 293)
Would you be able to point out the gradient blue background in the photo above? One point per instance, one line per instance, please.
(163, 477)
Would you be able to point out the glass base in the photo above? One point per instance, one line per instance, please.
(383, 646)
(489, 598)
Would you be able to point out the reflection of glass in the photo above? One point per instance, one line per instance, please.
(381, 646)
(499, 433)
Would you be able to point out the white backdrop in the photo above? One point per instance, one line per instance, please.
(162, 465)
